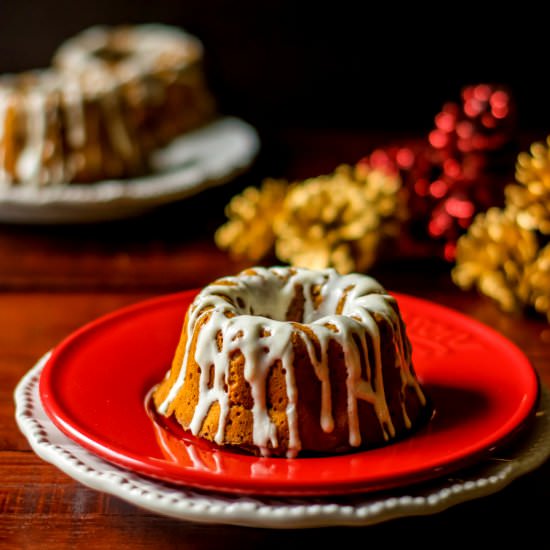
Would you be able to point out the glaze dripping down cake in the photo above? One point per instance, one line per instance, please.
(281, 361)
(64, 127)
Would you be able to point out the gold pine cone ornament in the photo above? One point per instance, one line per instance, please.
(534, 288)
(249, 231)
(338, 220)
(492, 256)
(529, 200)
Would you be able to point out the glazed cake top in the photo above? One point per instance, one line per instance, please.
(258, 311)
(130, 51)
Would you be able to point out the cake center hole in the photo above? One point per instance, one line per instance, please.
(298, 304)
(112, 55)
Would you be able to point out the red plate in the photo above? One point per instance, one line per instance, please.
(95, 387)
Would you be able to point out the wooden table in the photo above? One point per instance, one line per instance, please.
(54, 279)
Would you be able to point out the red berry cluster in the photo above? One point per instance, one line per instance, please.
(455, 172)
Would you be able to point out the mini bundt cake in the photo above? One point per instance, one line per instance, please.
(282, 361)
(159, 70)
(113, 97)
(58, 128)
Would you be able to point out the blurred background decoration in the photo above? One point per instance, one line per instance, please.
(451, 99)
(506, 252)
(420, 196)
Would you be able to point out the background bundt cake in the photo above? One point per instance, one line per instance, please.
(114, 96)
(159, 71)
(281, 361)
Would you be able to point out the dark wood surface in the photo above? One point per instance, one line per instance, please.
(54, 279)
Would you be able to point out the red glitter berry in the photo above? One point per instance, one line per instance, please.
(454, 173)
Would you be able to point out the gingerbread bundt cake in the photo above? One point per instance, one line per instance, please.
(159, 70)
(283, 361)
(114, 96)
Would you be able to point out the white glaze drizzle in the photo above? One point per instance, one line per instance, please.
(258, 328)
(29, 162)
(73, 104)
(116, 125)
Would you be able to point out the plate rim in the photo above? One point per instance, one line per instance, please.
(189, 504)
(119, 198)
(207, 480)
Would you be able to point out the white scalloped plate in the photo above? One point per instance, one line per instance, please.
(209, 156)
(487, 477)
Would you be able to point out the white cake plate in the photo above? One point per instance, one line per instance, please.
(209, 156)
(489, 476)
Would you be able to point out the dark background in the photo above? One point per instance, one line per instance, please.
(340, 64)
